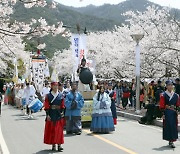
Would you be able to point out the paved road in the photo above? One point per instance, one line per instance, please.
(24, 136)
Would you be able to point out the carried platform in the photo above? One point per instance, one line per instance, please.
(86, 112)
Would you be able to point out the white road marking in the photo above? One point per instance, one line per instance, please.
(3, 145)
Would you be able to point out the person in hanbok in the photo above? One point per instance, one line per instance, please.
(102, 120)
(112, 95)
(54, 107)
(82, 87)
(20, 96)
(74, 103)
(169, 103)
(29, 95)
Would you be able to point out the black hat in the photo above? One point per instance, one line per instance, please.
(178, 79)
(83, 60)
(169, 82)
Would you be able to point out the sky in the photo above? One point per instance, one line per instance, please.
(81, 3)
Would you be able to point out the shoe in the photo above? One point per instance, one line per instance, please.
(54, 148)
(68, 132)
(78, 133)
(31, 116)
(171, 144)
(60, 148)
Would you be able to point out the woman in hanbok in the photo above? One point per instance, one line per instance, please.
(102, 120)
(169, 103)
(54, 107)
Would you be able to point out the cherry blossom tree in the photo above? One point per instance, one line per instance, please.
(113, 51)
(12, 32)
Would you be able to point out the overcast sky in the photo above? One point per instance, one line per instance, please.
(80, 3)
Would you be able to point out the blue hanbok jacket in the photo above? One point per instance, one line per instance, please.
(69, 99)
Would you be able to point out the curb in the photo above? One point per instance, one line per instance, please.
(137, 117)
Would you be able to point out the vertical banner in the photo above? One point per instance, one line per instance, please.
(75, 50)
(79, 51)
(38, 67)
(82, 47)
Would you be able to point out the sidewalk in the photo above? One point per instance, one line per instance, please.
(130, 114)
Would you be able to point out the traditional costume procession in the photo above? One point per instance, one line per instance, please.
(70, 102)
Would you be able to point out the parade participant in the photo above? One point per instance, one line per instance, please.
(54, 107)
(102, 120)
(112, 95)
(20, 95)
(74, 102)
(61, 87)
(169, 103)
(81, 68)
(17, 99)
(67, 89)
(29, 95)
(45, 91)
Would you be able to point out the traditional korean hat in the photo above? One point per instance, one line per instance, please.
(169, 82)
(54, 83)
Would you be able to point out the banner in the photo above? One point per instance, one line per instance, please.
(82, 47)
(38, 67)
(79, 49)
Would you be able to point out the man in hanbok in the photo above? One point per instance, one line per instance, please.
(74, 103)
(82, 87)
(54, 107)
(169, 103)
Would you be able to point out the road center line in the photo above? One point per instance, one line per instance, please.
(111, 143)
(3, 145)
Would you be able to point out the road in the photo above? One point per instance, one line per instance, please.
(24, 136)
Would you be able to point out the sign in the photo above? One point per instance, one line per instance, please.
(38, 67)
(79, 49)
(86, 112)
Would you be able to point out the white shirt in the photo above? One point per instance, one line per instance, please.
(29, 93)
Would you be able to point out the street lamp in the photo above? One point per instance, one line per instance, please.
(137, 38)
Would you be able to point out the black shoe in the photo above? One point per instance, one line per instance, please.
(171, 144)
(78, 133)
(68, 132)
(54, 148)
(60, 149)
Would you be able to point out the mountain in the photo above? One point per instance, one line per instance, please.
(94, 18)
(62, 13)
(115, 12)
